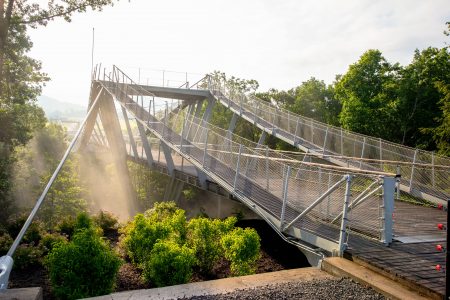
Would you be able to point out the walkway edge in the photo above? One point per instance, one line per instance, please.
(345, 268)
(221, 286)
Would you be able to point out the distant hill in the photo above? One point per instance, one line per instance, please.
(59, 110)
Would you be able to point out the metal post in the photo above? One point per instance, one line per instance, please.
(237, 167)
(398, 178)
(447, 257)
(325, 142)
(343, 233)
(267, 167)
(285, 193)
(381, 154)
(342, 144)
(412, 170)
(296, 130)
(388, 209)
(312, 132)
(205, 149)
(432, 170)
(362, 152)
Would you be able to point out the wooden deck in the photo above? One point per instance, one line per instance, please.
(412, 257)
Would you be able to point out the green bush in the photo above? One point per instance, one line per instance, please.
(32, 235)
(164, 221)
(66, 227)
(106, 221)
(5, 242)
(169, 264)
(49, 240)
(27, 255)
(204, 238)
(241, 248)
(84, 267)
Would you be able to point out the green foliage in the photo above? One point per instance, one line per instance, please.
(169, 264)
(315, 100)
(241, 248)
(421, 89)
(5, 242)
(164, 221)
(66, 226)
(32, 235)
(27, 255)
(83, 267)
(368, 96)
(441, 134)
(149, 185)
(106, 221)
(204, 238)
(49, 241)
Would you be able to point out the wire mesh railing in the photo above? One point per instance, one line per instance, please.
(425, 171)
(281, 190)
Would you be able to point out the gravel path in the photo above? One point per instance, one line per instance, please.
(338, 288)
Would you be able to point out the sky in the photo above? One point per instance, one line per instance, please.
(279, 43)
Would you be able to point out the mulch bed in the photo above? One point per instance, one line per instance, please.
(276, 255)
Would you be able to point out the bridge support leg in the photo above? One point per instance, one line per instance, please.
(232, 126)
(90, 123)
(388, 209)
(145, 144)
(113, 132)
(130, 133)
(343, 233)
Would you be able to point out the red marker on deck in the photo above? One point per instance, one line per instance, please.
(440, 206)
(439, 248)
(440, 226)
(438, 267)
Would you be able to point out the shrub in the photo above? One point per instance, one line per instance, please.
(106, 221)
(204, 238)
(5, 242)
(32, 235)
(66, 227)
(169, 264)
(241, 248)
(49, 240)
(27, 255)
(84, 267)
(164, 221)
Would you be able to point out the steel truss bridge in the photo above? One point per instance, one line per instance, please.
(338, 196)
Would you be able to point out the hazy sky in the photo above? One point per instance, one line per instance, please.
(278, 43)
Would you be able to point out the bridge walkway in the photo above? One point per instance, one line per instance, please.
(250, 188)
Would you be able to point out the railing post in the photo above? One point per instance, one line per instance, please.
(433, 182)
(325, 142)
(342, 143)
(285, 193)
(296, 130)
(412, 170)
(206, 148)
(398, 178)
(381, 154)
(237, 167)
(267, 167)
(388, 209)
(343, 233)
(362, 152)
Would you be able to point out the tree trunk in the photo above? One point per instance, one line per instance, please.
(5, 18)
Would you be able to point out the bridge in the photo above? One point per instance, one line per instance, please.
(339, 196)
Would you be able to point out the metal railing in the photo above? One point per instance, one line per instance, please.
(284, 191)
(421, 171)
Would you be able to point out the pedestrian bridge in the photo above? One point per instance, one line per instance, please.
(339, 196)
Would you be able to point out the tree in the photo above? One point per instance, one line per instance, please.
(315, 100)
(420, 95)
(441, 133)
(16, 14)
(368, 94)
